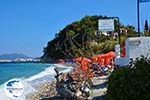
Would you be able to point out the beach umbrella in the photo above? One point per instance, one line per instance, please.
(99, 58)
(84, 63)
(94, 58)
(103, 59)
(107, 57)
(101, 55)
(110, 54)
(79, 59)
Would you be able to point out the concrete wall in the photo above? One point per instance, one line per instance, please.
(135, 47)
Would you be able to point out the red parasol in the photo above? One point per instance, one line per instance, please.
(84, 62)
(82, 59)
(110, 54)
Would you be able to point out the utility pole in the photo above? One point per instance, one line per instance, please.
(138, 16)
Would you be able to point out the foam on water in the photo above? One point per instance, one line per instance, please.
(30, 84)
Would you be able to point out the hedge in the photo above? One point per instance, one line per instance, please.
(130, 83)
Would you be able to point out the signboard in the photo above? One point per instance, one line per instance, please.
(106, 25)
(141, 1)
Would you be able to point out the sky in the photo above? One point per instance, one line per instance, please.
(27, 25)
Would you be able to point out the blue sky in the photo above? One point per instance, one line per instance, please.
(27, 25)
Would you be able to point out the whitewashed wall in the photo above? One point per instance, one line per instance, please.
(135, 47)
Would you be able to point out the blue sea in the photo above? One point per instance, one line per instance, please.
(31, 75)
(20, 70)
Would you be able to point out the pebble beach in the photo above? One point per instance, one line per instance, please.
(47, 91)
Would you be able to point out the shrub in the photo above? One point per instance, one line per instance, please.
(130, 83)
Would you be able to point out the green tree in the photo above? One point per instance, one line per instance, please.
(146, 27)
(79, 39)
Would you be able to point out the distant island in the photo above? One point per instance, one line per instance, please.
(17, 57)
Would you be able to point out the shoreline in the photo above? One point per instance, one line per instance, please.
(42, 86)
(47, 89)
(38, 85)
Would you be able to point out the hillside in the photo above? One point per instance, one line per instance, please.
(81, 38)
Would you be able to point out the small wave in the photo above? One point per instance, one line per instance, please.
(47, 71)
(30, 84)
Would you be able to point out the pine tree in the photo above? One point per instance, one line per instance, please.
(146, 28)
(149, 30)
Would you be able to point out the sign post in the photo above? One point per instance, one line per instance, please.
(108, 25)
(138, 16)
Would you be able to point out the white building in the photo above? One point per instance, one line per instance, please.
(135, 47)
